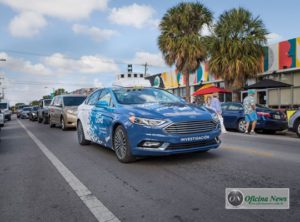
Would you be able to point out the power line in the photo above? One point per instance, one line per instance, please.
(74, 58)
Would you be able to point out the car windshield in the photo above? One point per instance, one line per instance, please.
(26, 109)
(3, 105)
(47, 102)
(144, 95)
(73, 100)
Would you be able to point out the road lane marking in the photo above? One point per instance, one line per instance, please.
(96, 207)
(249, 151)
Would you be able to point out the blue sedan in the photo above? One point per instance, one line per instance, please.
(145, 122)
(269, 120)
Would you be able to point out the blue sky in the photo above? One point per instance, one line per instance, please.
(84, 43)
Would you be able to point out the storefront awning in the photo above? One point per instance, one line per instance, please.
(268, 83)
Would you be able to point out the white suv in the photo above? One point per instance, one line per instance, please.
(4, 107)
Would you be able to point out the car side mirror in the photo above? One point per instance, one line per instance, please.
(102, 104)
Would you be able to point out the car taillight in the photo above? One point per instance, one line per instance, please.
(264, 114)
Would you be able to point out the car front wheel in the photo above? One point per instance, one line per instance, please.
(121, 145)
(241, 126)
(81, 136)
(62, 123)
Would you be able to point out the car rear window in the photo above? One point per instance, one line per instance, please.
(73, 100)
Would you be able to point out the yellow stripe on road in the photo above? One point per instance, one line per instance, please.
(249, 150)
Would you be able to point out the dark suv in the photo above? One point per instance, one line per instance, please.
(43, 111)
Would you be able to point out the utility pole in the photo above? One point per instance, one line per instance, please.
(146, 69)
(2, 86)
(2, 80)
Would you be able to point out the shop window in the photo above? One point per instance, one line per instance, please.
(273, 97)
(285, 96)
(296, 79)
(296, 95)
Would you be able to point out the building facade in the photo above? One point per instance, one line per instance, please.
(281, 62)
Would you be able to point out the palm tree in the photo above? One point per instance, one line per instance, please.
(180, 40)
(236, 47)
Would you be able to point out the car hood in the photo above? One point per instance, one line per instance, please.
(173, 112)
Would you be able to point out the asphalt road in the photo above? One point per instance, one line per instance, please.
(176, 188)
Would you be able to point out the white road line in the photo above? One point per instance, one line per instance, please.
(97, 208)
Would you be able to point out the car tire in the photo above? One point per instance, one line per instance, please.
(62, 124)
(80, 135)
(52, 125)
(40, 120)
(297, 128)
(241, 125)
(9, 118)
(121, 145)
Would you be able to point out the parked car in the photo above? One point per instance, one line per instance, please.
(294, 122)
(1, 119)
(63, 111)
(32, 115)
(4, 107)
(269, 120)
(24, 113)
(145, 122)
(20, 109)
(43, 111)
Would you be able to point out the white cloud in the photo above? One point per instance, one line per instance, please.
(133, 15)
(97, 83)
(32, 13)
(151, 59)
(26, 24)
(273, 37)
(85, 64)
(23, 66)
(94, 32)
(64, 9)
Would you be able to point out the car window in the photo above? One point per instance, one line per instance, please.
(224, 106)
(235, 107)
(47, 102)
(53, 101)
(58, 101)
(73, 100)
(94, 98)
(106, 96)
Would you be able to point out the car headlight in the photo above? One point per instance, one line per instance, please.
(215, 117)
(146, 122)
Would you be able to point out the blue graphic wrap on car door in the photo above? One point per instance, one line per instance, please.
(101, 119)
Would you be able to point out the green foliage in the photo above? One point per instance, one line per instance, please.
(47, 97)
(60, 91)
(34, 103)
(180, 40)
(236, 47)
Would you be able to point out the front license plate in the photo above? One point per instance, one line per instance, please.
(277, 117)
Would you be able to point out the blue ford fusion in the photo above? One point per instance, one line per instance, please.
(145, 122)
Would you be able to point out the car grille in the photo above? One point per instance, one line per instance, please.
(191, 127)
(177, 146)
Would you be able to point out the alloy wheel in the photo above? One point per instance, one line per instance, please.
(242, 125)
(120, 144)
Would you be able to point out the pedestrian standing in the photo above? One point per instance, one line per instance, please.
(250, 111)
(208, 100)
(216, 106)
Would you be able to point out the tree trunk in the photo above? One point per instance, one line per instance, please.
(187, 87)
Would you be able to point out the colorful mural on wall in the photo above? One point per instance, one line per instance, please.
(283, 55)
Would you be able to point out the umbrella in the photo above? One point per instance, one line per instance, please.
(210, 90)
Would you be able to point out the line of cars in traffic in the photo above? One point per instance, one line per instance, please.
(147, 121)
